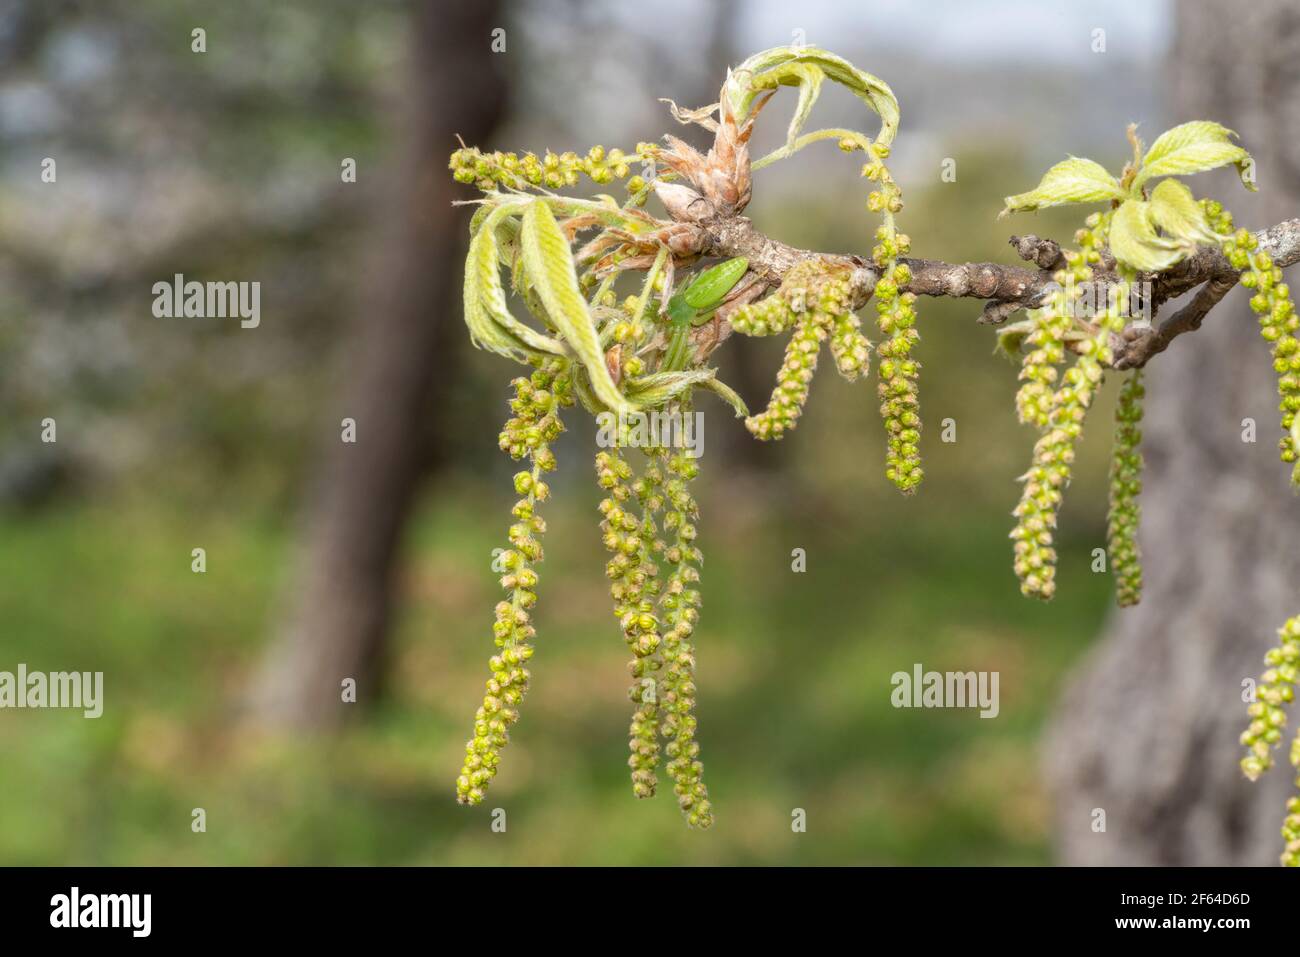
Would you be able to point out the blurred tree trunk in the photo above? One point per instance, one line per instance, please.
(1148, 731)
(407, 327)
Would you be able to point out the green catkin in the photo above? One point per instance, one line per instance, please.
(899, 399)
(1291, 828)
(1274, 691)
(1038, 370)
(1277, 320)
(528, 434)
(488, 171)
(815, 298)
(1049, 474)
(647, 657)
(793, 381)
(681, 602)
(1125, 486)
(1291, 823)
(849, 347)
(768, 317)
(896, 316)
(633, 586)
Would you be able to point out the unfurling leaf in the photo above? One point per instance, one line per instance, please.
(726, 393)
(549, 263)
(483, 332)
(1012, 336)
(655, 389)
(808, 79)
(1175, 210)
(582, 391)
(1192, 148)
(1134, 241)
(1074, 180)
(485, 262)
(788, 66)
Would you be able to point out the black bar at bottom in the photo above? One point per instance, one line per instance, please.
(450, 907)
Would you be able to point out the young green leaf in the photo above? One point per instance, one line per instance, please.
(726, 393)
(657, 388)
(1134, 242)
(484, 332)
(1186, 135)
(1075, 180)
(549, 263)
(872, 90)
(1192, 148)
(808, 79)
(1175, 210)
(582, 390)
(484, 260)
(749, 79)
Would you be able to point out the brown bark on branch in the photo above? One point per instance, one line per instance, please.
(1008, 288)
(1142, 344)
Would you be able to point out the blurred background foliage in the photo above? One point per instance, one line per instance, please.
(174, 434)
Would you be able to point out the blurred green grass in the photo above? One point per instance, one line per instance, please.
(793, 675)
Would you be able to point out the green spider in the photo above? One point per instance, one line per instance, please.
(695, 305)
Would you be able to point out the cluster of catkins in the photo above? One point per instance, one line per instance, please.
(648, 526)
(639, 355)
(814, 299)
(1057, 404)
(645, 354)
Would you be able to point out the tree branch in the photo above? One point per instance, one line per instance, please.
(1143, 343)
(1009, 288)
